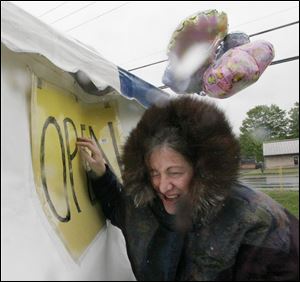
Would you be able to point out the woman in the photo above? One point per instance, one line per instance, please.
(183, 213)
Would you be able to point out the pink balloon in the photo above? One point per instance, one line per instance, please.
(237, 69)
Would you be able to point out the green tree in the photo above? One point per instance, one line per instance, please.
(294, 121)
(263, 123)
(250, 147)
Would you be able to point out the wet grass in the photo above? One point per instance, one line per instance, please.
(277, 171)
(288, 199)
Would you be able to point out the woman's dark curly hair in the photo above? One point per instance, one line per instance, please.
(201, 133)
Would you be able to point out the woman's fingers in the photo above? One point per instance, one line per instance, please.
(86, 156)
(95, 161)
(86, 159)
(91, 146)
(84, 139)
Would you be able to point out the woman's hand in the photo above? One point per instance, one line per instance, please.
(95, 159)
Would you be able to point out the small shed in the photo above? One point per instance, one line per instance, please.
(282, 153)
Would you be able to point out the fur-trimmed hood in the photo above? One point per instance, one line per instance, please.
(211, 141)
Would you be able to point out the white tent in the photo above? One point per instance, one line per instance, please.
(30, 248)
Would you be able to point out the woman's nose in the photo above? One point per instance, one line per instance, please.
(164, 185)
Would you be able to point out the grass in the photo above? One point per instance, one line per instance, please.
(288, 199)
(257, 172)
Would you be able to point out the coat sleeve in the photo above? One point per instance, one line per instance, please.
(109, 191)
(265, 263)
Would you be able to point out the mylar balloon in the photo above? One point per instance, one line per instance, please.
(230, 41)
(192, 49)
(207, 26)
(237, 68)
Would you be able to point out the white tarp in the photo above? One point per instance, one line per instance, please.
(22, 32)
(30, 249)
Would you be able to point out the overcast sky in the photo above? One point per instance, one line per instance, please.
(132, 34)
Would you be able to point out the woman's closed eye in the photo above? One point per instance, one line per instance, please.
(154, 173)
(175, 173)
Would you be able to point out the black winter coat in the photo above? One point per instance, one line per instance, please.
(252, 238)
(234, 232)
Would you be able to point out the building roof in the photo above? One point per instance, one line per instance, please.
(282, 147)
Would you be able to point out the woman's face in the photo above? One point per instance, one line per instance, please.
(171, 175)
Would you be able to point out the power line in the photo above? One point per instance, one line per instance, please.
(285, 60)
(267, 16)
(273, 63)
(74, 12)
(272, 29)
(109, 11)
(148, 65)
(258, 19)
(52, 9)
(264, 31)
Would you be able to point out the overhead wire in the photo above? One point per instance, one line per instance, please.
(101, 15)
(285, 60)
(275, 28)
(74, 12)
(165, 60)
(273, 63)
(52, 9)
(261, 32)
(258, 19)
(162, 61)
(267, 16)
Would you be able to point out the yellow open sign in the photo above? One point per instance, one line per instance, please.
(57, 119)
